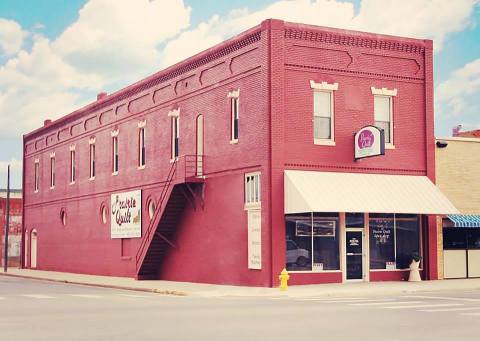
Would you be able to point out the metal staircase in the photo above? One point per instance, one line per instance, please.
(184, 185)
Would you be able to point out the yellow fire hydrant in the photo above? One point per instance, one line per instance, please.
(284, 276)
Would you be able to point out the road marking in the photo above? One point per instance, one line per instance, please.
(330, 300)
(387, 302)
(452, 309)
(447, 298)
(85, 296)
(134, 296)
(423, 306)
(471, 314)
(363, 301)
(38, 296)
(2, 298)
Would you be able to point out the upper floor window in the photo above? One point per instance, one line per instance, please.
(323, 112)
(234, 114)
(141, 144)
(115, 152)
(175, 143)
(37, 175)
(252, 189)
(72, 164)
(383, 111)
(92, 158)
(52, 170)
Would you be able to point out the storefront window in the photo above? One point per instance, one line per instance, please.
(474, 238)
(355, 220)
(454, 239)
(393, 240)
(382, 241)
(312, 242)
(407, 238)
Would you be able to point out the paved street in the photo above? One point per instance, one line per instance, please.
(38, 310)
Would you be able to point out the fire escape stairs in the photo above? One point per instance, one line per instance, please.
(184, 186)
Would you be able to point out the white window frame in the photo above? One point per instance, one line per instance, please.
(175, 133)
(234, 97)
(390, 94)
(328, 88)
(52, 171)
(72, 165)
(37, 175)
(92, 155)
(253, 190)
(141, 145)
(115, 153)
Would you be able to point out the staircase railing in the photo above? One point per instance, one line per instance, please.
(149, 233)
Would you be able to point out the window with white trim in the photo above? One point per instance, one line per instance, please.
(234, 114)
(235, 108)
(37, 175)
(383, 111)
(141, 147)
(52, 171)
(252, 189)
(323, 112)
(72, 166)
(175, 137)
(92, 160)
(115, 154)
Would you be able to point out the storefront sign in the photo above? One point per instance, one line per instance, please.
(126, 215)
(369, 141)
(254, 239)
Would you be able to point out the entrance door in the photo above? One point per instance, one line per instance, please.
(199, 145)
(354, 251)
(33, 250)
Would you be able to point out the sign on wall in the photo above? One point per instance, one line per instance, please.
(254, 239)
(126, 215)
(369, 141)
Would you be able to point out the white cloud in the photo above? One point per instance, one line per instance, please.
(15, 170)
(413, 18)
(113, 43)
(122, 36)
(110, 44)
(459, 95)
(11, 37)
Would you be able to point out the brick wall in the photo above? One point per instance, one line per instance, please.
(458, 169)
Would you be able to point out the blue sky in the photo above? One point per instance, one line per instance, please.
(52, 56)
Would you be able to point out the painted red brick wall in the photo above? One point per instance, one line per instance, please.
(272, 65)
(216, 233)
(356, 61)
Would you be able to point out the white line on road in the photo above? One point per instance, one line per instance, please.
(332, 300)
(134, 296)
(38, 296)
(446, 298)
(388, 302)
(471, 314)
(85, 296)
(2, 298)
(449, 309)
(362, 301)
(423, 306)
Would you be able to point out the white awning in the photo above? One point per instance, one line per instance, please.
(309, 191)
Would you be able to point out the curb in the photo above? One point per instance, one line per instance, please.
(99, 285)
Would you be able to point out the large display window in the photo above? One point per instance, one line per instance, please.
(312, 242)
(394, 238)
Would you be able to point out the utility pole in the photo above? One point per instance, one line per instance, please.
(7, 222)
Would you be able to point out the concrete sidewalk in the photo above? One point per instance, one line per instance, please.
(212, 290)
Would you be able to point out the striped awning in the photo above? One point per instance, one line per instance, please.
(465, 220)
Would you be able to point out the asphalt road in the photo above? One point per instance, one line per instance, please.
(38, 310)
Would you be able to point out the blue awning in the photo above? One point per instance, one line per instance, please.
(465, 220)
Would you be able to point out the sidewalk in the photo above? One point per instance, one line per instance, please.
(212, 290)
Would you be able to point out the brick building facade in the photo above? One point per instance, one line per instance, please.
(193, 162)
(15, 226)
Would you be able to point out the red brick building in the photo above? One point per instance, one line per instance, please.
(239, 161)
(15, 226)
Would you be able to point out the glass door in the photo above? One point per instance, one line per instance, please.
(354, 254)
